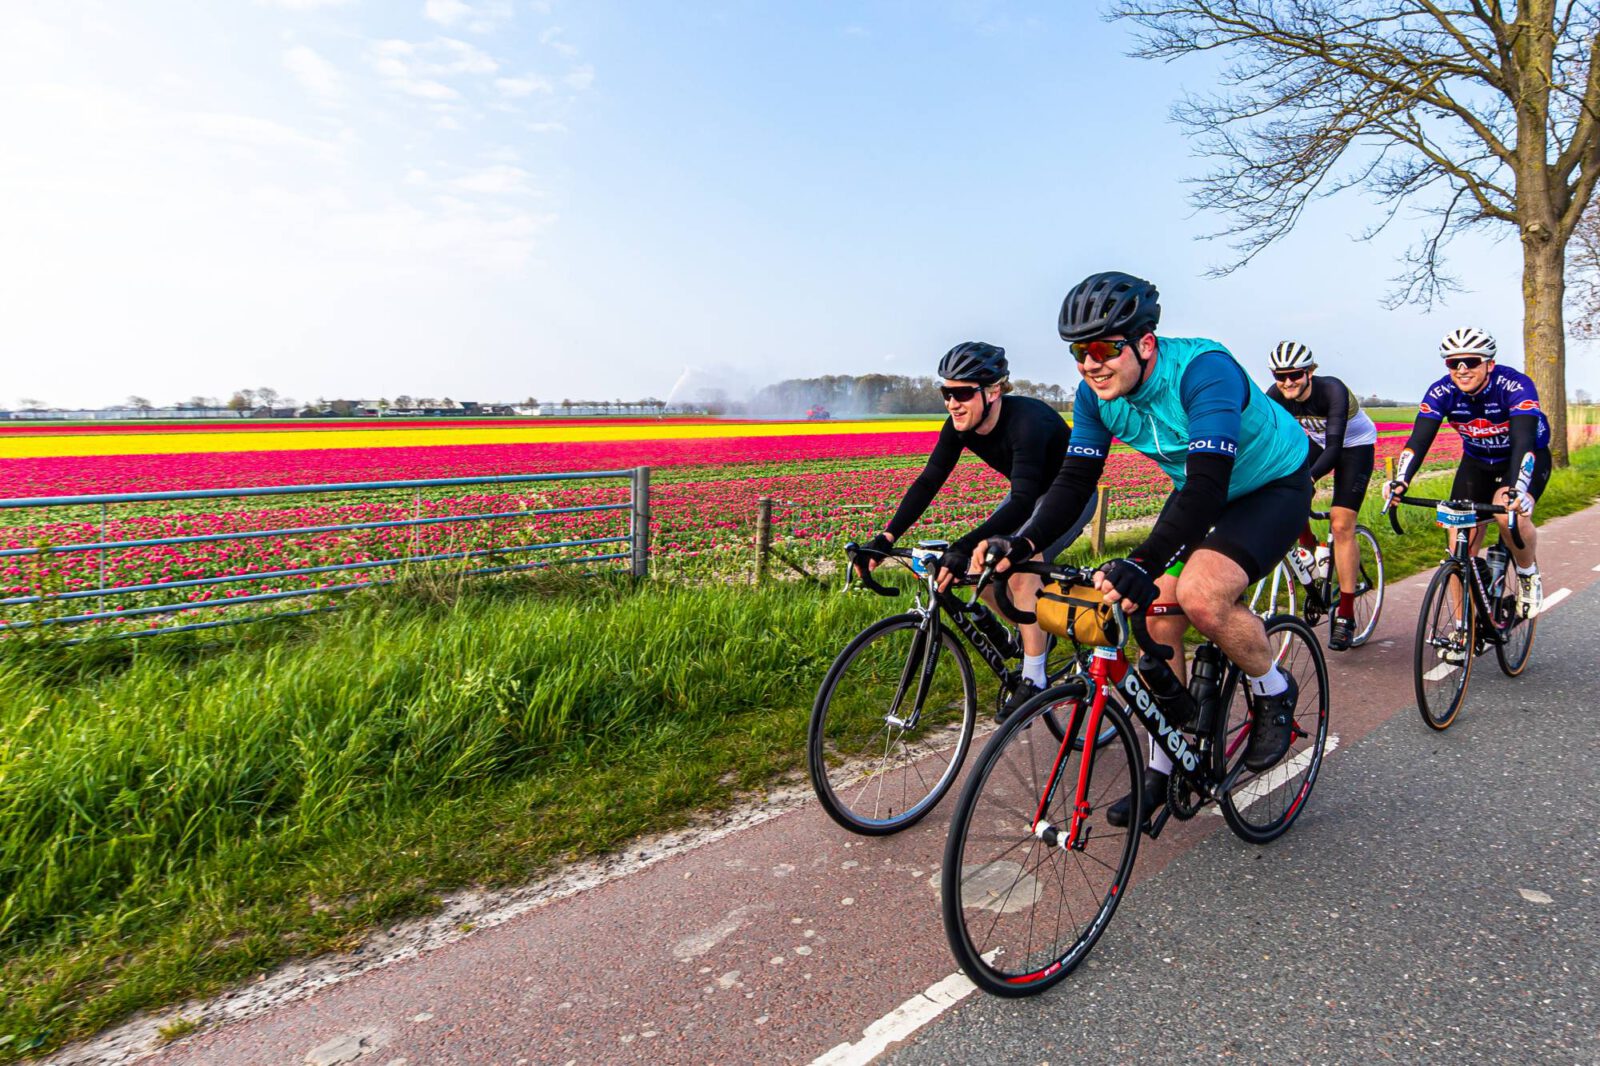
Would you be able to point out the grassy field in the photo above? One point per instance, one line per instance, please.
(179, 815)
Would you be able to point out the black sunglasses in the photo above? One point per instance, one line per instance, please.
(959, 393)
(1288, 377)
(1101, 351)
(1465, 362)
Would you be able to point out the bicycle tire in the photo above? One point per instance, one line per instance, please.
(1441, 686)
(871, 774)
(1516, 632)
(1369, 587)
(1001, 884)
(1261, 806)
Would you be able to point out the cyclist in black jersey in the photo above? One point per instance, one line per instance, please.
(1344, 442)
(1018, 436)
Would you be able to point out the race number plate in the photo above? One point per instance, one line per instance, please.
(1455, 517)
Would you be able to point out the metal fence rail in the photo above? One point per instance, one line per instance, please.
(635, 553)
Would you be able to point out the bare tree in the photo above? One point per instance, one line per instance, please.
(1470, 115)
(267, 397)
(140, 404)
(1583, 274)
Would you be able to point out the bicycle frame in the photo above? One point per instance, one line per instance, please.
(1461, 555)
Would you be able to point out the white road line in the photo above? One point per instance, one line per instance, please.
(1442, 671)
(1595, 568)
(1554, 598)
(1248, 793)
(901, 1022)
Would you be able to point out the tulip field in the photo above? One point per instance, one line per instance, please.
(831, 482)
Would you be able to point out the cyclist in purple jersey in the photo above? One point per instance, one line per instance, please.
(1505, 445)
(1344, 444)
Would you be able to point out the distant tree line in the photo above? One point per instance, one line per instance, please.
(848, 396)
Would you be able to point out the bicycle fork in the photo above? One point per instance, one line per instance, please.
(1108, 664)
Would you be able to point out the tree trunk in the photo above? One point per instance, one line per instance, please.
(1544, 339)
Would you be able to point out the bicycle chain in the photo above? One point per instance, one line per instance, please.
(1182, 800)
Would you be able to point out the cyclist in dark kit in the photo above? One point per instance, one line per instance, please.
(1241, 493)
(1344, 442)
(1505, 447)
(1020, 437)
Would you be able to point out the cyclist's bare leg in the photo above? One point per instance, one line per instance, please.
(1346, 552)
(1209, 591)
(1024, 592)
(1525, 555)
(1169, 629)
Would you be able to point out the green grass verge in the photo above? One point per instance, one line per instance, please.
(177, 815)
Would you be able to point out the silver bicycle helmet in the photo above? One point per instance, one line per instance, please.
(1468, 340)
(1291, 355)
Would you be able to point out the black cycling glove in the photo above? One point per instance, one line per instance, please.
(880, 544)
(1016, 549)
(955, 560)
(1132, 582)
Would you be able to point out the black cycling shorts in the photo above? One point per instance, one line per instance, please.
(1352, 472)
(1477, 480)
(1257, 530)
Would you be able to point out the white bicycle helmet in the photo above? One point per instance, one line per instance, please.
(1291, 355)
(1468, 340)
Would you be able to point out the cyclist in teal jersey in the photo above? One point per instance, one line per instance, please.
(1242, 488)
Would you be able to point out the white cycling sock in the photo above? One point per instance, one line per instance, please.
(1530, 571)
(1160, 761)
(1269, 684)
(1033, 669)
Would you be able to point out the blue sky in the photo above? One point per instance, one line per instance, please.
(490, 199)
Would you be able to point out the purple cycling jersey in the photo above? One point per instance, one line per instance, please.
(1484, 418)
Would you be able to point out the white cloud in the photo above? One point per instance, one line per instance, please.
(581, 78)
(552, 38)
(526, 85)
(547, 127)
(421, 70)
(428, 89)
(302, 5)
(499, 180)
(480, 17)
(446, 12)
(315, 74)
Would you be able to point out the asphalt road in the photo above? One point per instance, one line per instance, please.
(1439, 901)
(1435, 902)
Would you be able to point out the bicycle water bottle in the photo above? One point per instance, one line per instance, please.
(1319, 563)
(993, 628)
(1300, 562)
(1205, 685)
(1498, 556)
(1164, 687)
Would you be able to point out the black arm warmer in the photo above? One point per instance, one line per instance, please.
(1189, 513)
(1064, 502)
(946, 453)
(1334, 430)
(1423, 430)
(1524, 432)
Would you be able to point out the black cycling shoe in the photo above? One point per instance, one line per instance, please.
(1271, 727)
(1155, 794)
(1344, 629)
(1025, 691)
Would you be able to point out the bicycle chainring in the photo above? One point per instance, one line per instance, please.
(1183, 799)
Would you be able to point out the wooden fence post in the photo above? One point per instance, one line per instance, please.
(763, 536)
(1097, 524)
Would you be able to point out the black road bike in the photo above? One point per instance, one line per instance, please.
(1471, 605)
(898, 708)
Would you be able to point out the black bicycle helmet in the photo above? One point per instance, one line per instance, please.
(1107, 303)
(974, 361)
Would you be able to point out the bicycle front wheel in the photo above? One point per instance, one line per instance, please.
(880, 757)
(1446, 630)
(1515, 631)
(1020, 912)
(1369, 587)
(1260, 807)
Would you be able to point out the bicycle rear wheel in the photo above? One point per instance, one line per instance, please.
(1019, 913)
(1369, 587)
(1274, 594)
(1442, 662)
(878, 759)
(1260, 807)
(1516, 631)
